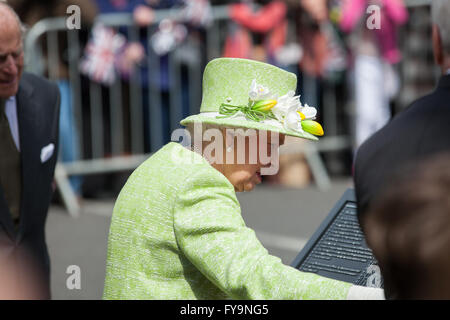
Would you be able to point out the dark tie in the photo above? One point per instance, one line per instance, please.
(10, 166)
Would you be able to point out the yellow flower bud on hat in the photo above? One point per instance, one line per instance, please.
(264, 105)
(312, 127)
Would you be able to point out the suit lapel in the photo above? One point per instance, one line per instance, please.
(29, 149)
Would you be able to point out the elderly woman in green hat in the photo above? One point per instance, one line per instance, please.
(177, 230)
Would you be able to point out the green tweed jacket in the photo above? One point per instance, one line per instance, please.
(177, 233)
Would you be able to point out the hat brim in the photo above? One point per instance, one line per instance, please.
(242, 123)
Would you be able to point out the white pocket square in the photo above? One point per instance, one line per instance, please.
(47, 152)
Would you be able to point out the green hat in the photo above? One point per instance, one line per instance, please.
(251, 94)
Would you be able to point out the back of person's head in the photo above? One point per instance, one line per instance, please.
(408, 229)
(440, 12)
(7, 10)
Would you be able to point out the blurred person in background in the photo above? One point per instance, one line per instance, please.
(323, 49)
(256, 33)
(173, 31)
(408, 229)
(420, 130)
(136, 57)
(373, 42)
(133, 60)
(29, 118)
(31, 11)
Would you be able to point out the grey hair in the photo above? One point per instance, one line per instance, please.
(23, 28)
(440, 13)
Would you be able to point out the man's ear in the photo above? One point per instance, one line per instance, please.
(437, 45)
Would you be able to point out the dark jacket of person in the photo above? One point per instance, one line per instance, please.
(421, 130)
(38, 106)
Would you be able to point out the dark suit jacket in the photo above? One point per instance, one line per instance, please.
(423, 129)
(38, 105)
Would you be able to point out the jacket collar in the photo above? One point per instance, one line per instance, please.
(444, 81)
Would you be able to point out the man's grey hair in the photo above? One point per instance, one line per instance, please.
(440, 12)
(23, 28)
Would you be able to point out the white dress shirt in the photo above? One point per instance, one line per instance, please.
(11, 114)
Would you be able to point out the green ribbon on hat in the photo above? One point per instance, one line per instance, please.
(255, 110)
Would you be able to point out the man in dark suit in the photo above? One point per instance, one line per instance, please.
(29, 113)
(419, 131)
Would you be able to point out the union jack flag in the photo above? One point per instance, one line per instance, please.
(100, 54)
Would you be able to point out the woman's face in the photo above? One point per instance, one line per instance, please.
(245, 175)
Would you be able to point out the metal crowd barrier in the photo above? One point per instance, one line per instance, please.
(43, 56)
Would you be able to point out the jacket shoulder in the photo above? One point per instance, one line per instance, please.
(406, 127)
(44, 93)
(37, 81)
(420, 128)
(39, 86)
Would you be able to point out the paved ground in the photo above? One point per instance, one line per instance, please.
(282, 218)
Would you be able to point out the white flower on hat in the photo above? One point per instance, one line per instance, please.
(292, 120)
(284, 104)
(259, 92)
(290, 112)
(308, 112)
(287, 109)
